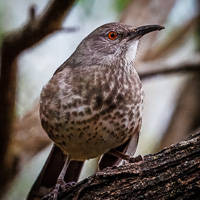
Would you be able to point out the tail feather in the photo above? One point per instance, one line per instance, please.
(50, 172)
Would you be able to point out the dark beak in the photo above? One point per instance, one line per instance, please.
(142, 30)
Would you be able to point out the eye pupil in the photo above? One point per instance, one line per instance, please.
(112, 35)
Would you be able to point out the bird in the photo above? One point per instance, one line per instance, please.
(93, 103)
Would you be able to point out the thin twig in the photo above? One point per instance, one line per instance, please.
(150, 69)
(68, 29)
(32, 12)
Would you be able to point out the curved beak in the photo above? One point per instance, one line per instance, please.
(142, 30)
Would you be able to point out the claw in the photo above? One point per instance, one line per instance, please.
(60, 185)
(136, 159)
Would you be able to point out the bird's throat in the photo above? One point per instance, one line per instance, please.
(131, 51)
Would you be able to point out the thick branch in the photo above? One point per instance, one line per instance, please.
(38, 28)
(12, 45)
(172, 173)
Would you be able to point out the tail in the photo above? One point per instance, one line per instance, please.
(50, 172)
(53, 166)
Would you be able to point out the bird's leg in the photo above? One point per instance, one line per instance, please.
(124, 156)
(60, 182)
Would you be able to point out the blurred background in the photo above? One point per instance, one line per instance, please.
(171, 109)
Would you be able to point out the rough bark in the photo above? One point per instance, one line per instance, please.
(173, 173)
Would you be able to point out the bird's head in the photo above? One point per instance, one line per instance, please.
(112, 43)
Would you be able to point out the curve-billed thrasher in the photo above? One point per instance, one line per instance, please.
(93, 103)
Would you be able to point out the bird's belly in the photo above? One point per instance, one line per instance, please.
(90, 119)
(94, 136)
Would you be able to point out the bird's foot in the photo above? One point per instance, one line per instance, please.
(130, 159)
(67, 186)
(125, 157)
(135, 159)
(60, 186)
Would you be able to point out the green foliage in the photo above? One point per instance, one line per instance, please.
(118, 5)
(121, 4)
(197, 37)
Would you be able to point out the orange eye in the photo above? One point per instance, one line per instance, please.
(112, 35)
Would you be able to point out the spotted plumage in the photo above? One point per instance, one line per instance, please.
(93, 102)
(91, 120)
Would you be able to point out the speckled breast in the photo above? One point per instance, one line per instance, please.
(87, 112)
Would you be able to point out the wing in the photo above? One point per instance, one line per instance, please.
(129, 147)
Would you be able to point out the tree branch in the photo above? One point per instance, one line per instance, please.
(160, 67)
(173, 173)
(36, 29)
